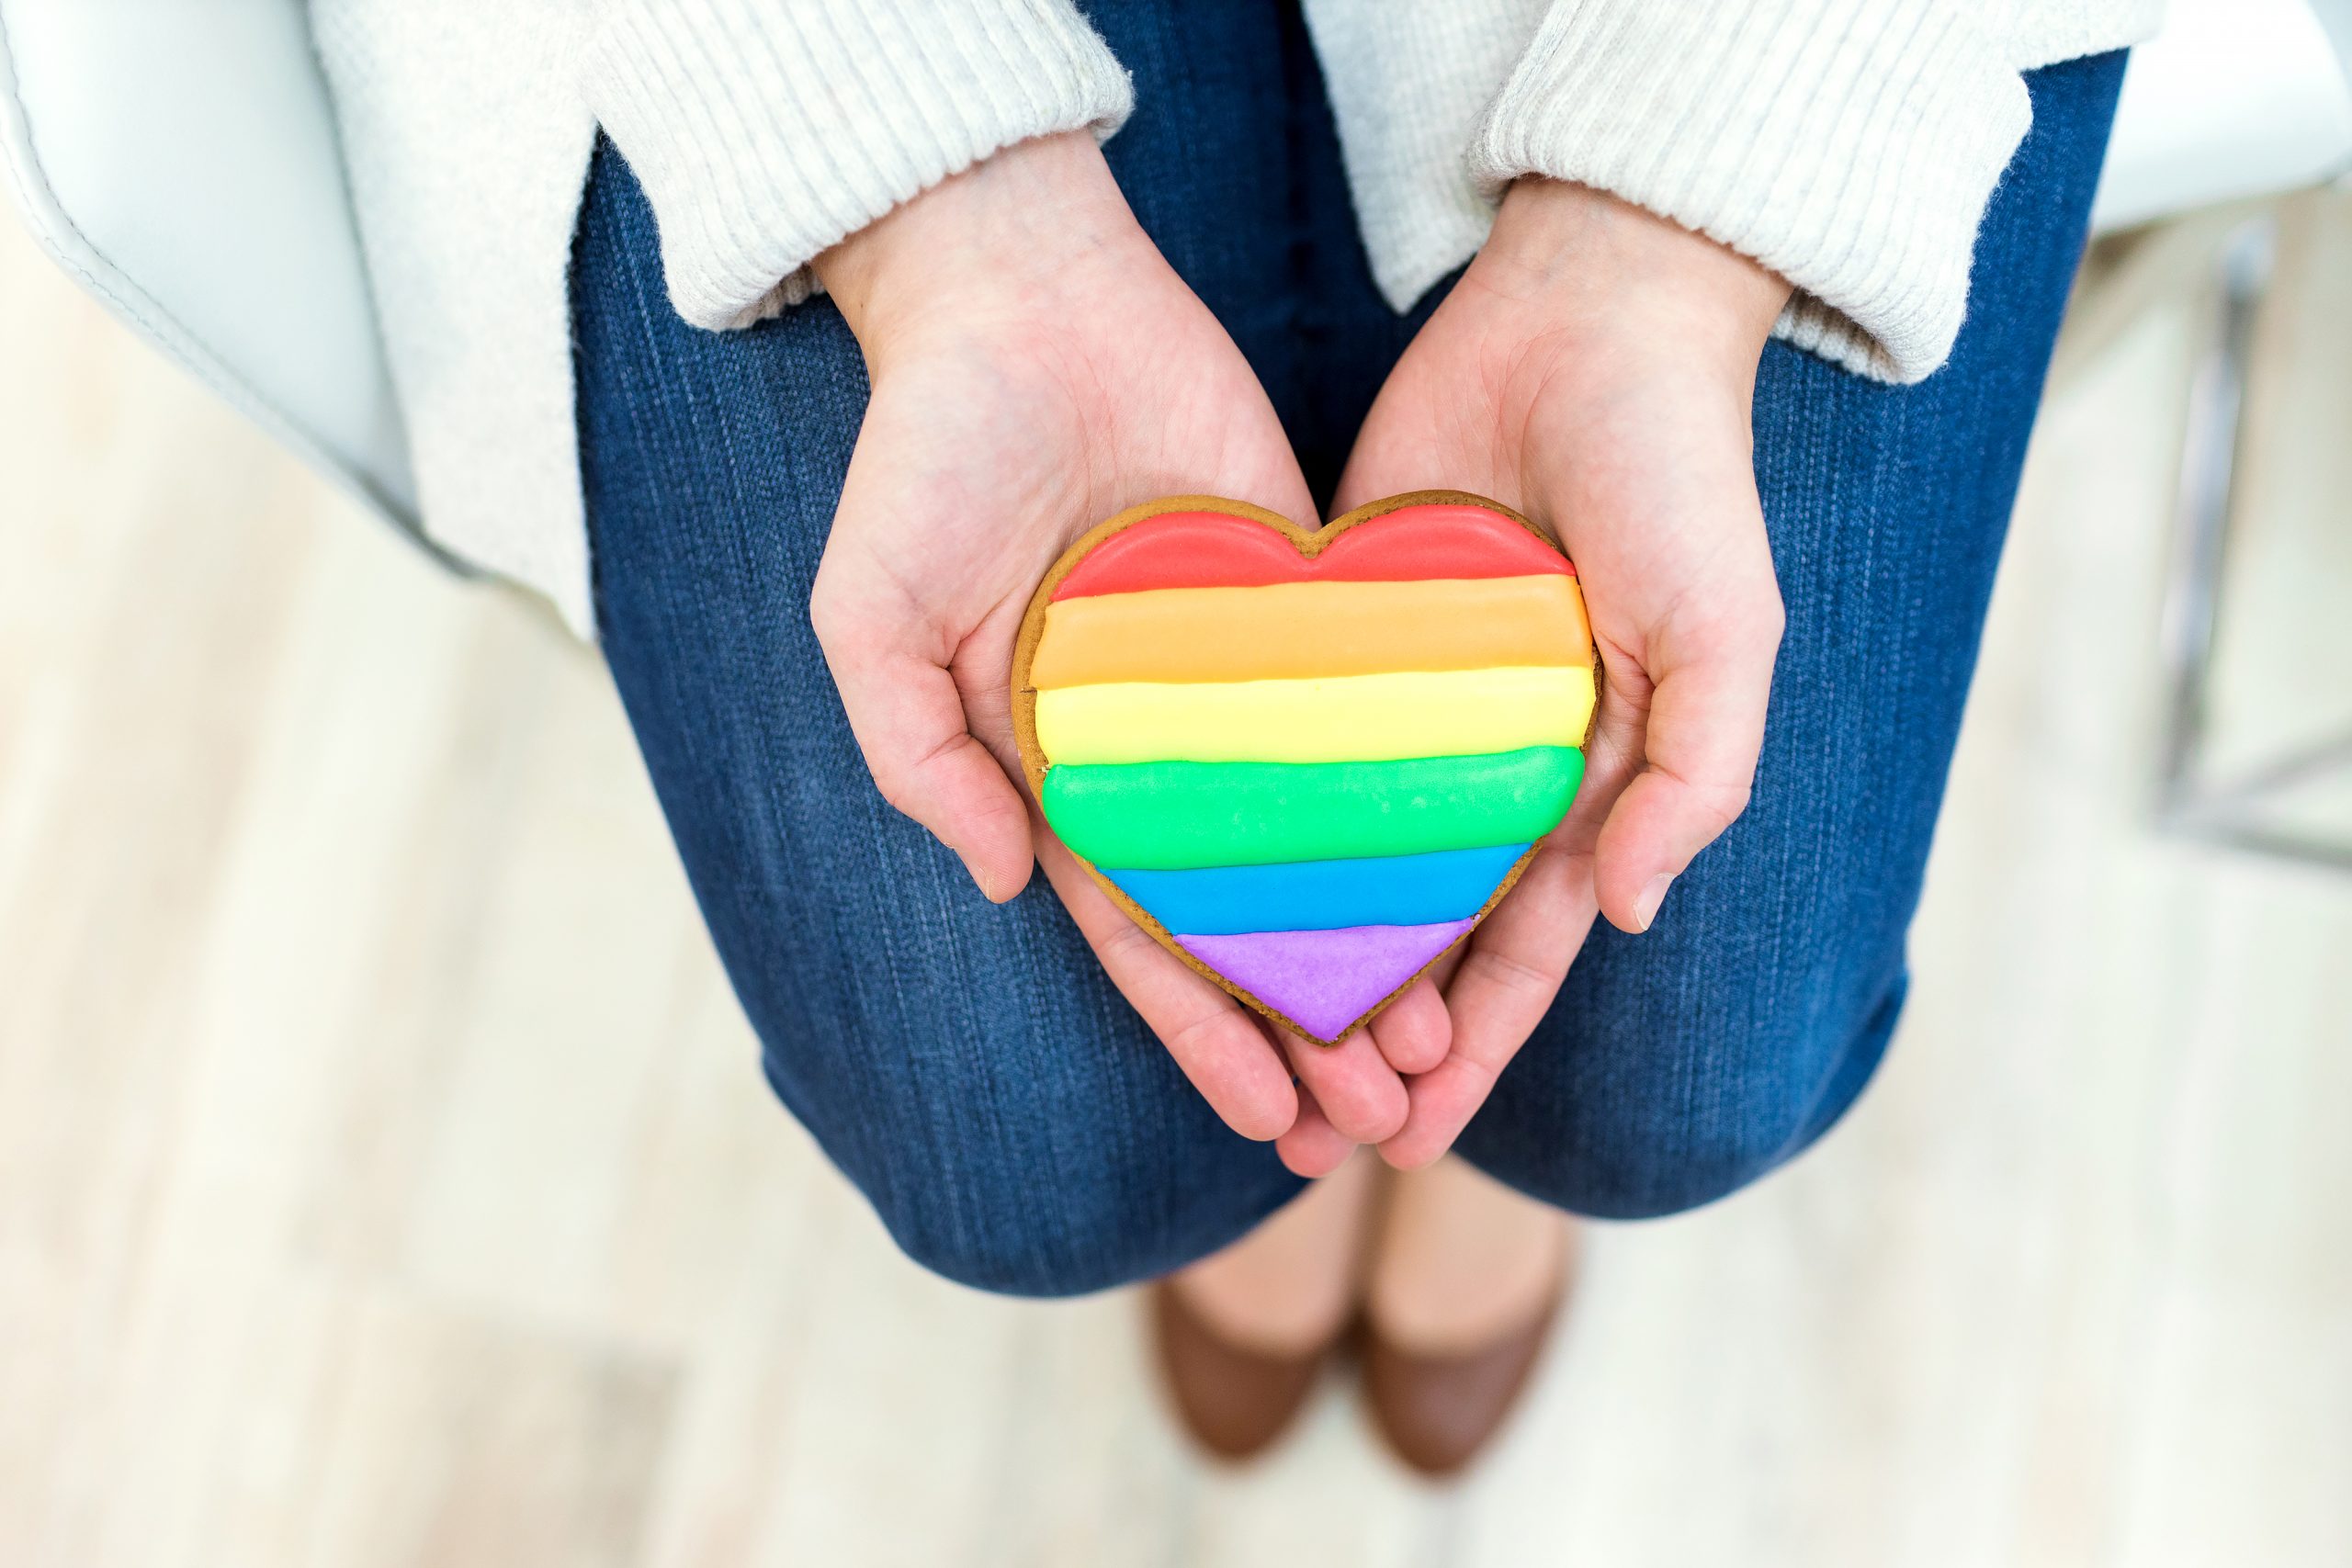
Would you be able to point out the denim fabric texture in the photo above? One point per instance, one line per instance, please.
(969, 1067)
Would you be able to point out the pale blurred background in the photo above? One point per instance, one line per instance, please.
(386, 1176)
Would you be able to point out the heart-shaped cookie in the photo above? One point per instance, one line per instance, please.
(1306, 761)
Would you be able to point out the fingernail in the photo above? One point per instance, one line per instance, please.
(979, 876)
(1652, 895)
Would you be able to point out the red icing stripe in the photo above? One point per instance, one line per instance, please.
(1210, 549)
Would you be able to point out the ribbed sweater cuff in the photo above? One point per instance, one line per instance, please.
(1407, 84)
(764, 132)
(1850, 145)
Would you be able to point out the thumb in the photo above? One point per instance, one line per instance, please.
(891, 670)
(1704, 731)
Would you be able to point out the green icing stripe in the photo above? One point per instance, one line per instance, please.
(1175, 816)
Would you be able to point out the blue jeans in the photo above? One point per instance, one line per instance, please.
(970, 1067)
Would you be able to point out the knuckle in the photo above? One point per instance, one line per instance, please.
(1481, 1080)
(1754, 629)
(824, 605)
(892, 783)
(997, 809)
(1185, 1040)
(830, 615)
(1127, 941)
(1505, 972)
(1720, 805)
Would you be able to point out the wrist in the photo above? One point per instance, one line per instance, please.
(1586, 263)
(1021, 218)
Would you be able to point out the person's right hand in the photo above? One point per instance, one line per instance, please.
(1036, 367)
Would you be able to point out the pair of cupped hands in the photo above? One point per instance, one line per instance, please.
(1036, 367)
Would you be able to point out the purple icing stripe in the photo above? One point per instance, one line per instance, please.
(1323, 980)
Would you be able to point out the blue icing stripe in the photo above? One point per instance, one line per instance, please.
(1321, 895)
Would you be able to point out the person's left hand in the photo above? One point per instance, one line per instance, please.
(1593, 369)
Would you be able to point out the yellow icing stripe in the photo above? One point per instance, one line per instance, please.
(1343, 718)
(1290, 630)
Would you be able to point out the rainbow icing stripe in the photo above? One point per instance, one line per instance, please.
(1313, 773)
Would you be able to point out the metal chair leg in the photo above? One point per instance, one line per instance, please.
(2188, 800)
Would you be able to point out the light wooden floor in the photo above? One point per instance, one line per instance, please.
(385, 1178)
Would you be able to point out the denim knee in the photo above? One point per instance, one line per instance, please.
(1685, 1168)
(1068, 1233)
(989, 1218)
(1000, 1243)
(1677, 1113)
(1028, 1183)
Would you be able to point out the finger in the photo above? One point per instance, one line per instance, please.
(909, 719)
(1705, 728)
(1313, 1147)
(1412, 1033)
(1213, 1040)
(1360, 1093)
(1507, 977)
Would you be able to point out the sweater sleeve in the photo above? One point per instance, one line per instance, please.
(763, 131)
(1850, 145)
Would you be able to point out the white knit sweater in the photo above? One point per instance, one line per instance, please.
(1848, 144)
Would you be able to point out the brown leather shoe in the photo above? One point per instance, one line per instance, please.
(1438, 1413)
(1234, 1401)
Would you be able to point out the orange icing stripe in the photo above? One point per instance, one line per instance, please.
(1297, 630)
